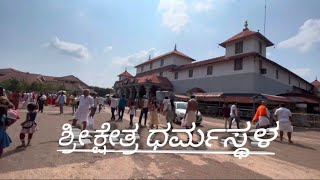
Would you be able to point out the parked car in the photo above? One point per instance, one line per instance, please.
(181, 108)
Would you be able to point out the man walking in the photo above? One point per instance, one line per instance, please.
(122, 106)
(144, 110)
(95, 105)
(262, 116)
(40, 101)
(226, 114)
(284, 116)
(85, 104)
(234, 115)
(165, 104)
(113, 105)
(191, 113)
(101, 103)
(61, 101)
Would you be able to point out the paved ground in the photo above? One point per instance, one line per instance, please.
(41, 160)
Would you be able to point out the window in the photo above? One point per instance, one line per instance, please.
(176, 75)
(161, 62)
(289, 80)
(141, 68)
(277, 74)
(239, 47)
(238, 64)
(190, 72)
(150, 65)
(209, 70)
(161, 74)
(263, 71)
(260, 47)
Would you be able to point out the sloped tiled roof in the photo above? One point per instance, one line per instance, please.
(247, 33)
(316, 83)
(154, 79)
(28, 77)
(8, 70)
(72, 87)
(195, 90)
(174, 52)
(69, 78)
(126, 74)
(277, 98)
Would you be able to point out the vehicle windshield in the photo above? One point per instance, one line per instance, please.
(181, 105)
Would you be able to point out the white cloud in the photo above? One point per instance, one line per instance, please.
(203, 6)
(305, 73)
(174, 14)
(307, 36)
(77, 51)
(107, 49)
(134, 59)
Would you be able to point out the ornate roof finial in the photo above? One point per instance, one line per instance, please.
(175, 47)
(126, 69)
(149, 56)
(316, 78)
(245, 25)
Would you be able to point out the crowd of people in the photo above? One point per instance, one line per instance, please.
(85, 106)
(34, 102)
(263, 118)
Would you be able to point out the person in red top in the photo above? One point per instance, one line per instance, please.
(226, 114)
(16, 99)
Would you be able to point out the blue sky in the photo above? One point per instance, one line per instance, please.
(95, 40)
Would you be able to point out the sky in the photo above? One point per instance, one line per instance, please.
(97, 40)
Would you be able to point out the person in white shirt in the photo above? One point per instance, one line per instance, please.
(114, 106)
(132, 111)
(165, 104)
(234, 115)
(101, 103)
(284, 116)
(86, 102)
(144, 110)
(62, 99)
(95, 105)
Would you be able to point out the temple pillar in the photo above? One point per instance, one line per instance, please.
(137, 92)
(148, 88)
(130, 95)
(125, 92)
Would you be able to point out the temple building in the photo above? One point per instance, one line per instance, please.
(244, 68)
(316, 84)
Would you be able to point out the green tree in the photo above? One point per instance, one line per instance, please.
(12, 85)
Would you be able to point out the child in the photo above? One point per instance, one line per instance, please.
(29, 126)
(132, 111)
(5, 140)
